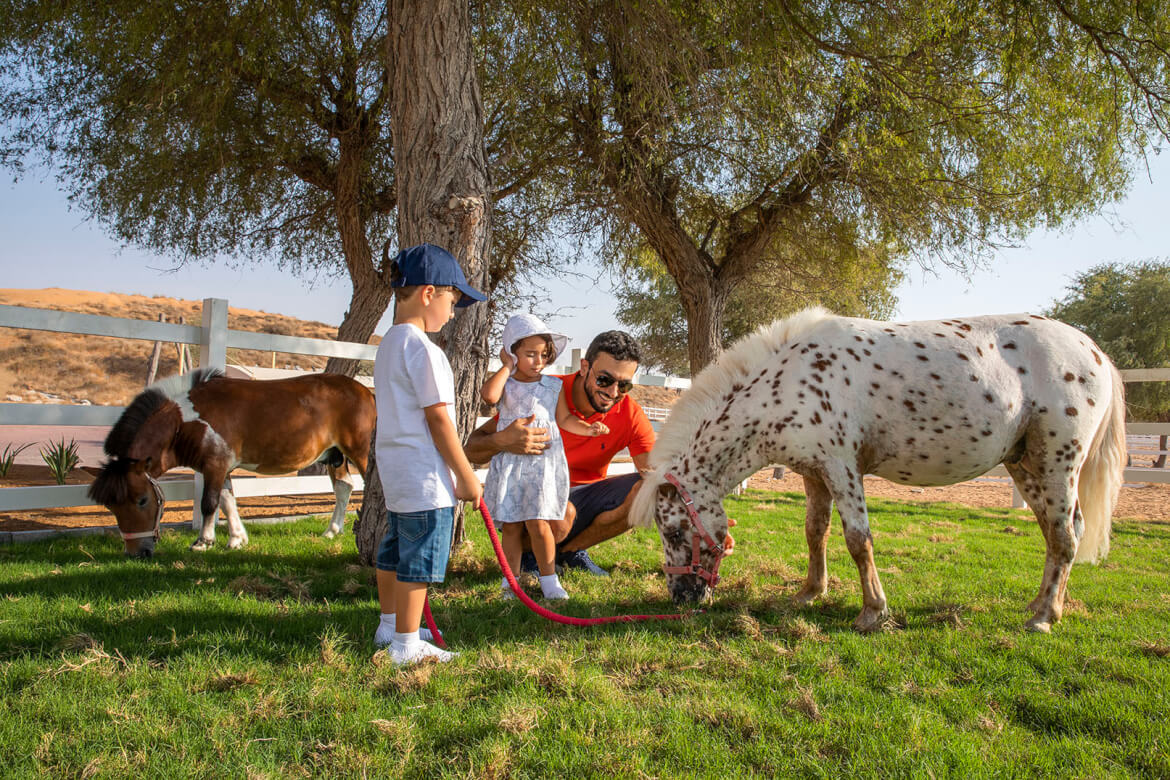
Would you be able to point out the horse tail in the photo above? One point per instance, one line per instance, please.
(1101, 477)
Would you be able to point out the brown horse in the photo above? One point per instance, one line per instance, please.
(213, 424)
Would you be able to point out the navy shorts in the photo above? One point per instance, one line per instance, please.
(597, 497)
(417, 544)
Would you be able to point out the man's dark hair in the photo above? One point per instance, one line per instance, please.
(619, 344)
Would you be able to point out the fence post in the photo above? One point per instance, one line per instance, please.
(213, 342)
(212, 354)
(1018, 501)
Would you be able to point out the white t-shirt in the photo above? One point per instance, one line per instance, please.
(410, 374)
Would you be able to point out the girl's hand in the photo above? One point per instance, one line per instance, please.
(507, 359)
(598, 429)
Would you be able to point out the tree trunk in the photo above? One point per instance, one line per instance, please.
(441, 174)
(366, 307)
(371, 290)
(704, 302)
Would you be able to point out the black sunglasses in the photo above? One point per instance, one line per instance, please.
(605, 380)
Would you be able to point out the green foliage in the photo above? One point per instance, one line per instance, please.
(8, 456)
(858, 284)
(720, 135)
(1125, 308)
(105, 663)
(205, 130)
(60, 458)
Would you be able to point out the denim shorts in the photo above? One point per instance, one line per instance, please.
(417, 544)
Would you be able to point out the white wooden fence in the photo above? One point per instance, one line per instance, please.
(214, 338)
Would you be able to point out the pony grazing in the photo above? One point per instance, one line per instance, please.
(213, 424)
(921, 403)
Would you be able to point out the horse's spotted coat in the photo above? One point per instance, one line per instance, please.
(922, 403)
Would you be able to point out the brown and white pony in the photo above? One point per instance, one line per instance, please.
(921, 403)
(213, 424)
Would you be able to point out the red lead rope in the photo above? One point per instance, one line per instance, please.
(532, 605)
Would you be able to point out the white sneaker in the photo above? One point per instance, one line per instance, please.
(550, 586)
(385, 634)
(400, 655)
(506, 591)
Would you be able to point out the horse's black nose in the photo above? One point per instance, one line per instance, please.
(688, 589)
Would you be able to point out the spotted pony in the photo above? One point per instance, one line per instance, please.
(920, 403)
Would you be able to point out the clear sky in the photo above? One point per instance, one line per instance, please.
(45, 244)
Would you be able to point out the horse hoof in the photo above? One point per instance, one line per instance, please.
(329, 534)
(870, 621)
(806, 597)
(1038, 626)
(236, 544)
(202, 546)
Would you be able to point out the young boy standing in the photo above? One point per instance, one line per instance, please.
(420, 457)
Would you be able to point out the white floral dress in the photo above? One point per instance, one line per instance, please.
(529, 487)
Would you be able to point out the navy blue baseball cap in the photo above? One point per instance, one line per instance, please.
(430, 264)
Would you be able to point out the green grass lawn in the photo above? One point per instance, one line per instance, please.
(259, 663)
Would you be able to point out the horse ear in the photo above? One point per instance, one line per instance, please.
(666, 489)
(155, 435)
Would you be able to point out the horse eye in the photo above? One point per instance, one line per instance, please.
(142, 502)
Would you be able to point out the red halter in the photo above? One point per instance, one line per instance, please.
(711, 577)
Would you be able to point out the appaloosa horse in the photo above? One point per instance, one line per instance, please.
(213, 424)
(922, 403)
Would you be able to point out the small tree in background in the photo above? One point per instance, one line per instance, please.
(850, 282)
(1125, 308)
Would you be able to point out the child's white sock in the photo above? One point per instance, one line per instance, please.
(506, 589)
(386, 629)
(550, 585)
(409, 649)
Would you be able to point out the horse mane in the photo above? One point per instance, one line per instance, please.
(121, 436)
(707, 390)
(110, 486)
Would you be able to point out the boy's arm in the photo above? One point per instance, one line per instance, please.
(493, 388)
(574, 424)
(446, 438)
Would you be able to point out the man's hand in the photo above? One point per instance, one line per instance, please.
(728, 542)
(598, 429)
(519, 439)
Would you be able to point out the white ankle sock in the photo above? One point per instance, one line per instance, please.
(506, 589)
(550, 586)
(387, 627)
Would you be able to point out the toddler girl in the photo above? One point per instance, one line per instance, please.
(526, 491)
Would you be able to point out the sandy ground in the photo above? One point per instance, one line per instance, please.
(1147, 502)
(1142, 501)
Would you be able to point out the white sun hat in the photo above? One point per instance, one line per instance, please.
(521, 326)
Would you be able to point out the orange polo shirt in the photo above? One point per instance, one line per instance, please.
(589, 456)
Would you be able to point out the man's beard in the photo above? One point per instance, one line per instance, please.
(599, 403)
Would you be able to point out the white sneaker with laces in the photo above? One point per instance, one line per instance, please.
(506, 590)
(403, 653)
